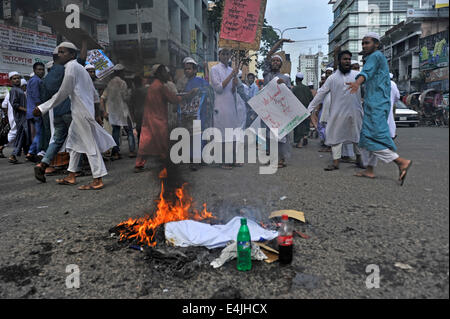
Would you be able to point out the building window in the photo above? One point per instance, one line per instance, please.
(147, 27)
(132, 28)
(131, 5)
(121, 29)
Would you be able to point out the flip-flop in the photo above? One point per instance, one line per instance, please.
(39, 173)
(331, 168)
(405, 171)
(364, 176)
(90, 187)
(65, 182)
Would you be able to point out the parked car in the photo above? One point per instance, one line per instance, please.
(404, 115)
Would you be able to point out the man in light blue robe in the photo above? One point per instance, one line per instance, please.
(376, 140)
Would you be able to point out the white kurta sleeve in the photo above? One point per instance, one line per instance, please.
(320, 96)
(216, 81)
(5, 102)
(67, 87)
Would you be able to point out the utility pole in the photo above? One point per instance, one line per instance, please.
(138, 18)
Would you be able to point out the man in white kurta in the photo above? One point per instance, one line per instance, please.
(225, 107)
(346, 113)
(85, 135)
(395, 97)
(115, 99)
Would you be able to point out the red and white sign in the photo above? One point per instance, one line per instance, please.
(20, 62)
(4, 81)
(240, 20)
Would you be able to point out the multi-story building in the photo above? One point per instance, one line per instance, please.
(27, 36)
(144, 32)
(312, 65)
(410, 48)
(355, 18)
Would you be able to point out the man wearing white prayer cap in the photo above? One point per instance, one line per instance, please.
(18, 102)
(376, 139)
(85, 136)
(272, 69)
(23, 84)
(117, 111)
(355, 65)
(62, 117)
(304, 94)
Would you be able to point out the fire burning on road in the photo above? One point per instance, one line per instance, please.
(170, 208)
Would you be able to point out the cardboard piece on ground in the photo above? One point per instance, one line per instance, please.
(272, 254)
(57, 20)
(291, 213)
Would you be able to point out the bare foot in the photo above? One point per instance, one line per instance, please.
(367, 174)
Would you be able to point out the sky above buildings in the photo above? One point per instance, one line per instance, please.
(317, 15)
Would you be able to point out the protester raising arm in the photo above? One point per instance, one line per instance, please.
(320, 96)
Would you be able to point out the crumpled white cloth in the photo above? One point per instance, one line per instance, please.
(187, 233)
(230, 252)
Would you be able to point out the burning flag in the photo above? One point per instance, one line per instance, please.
(179, 208)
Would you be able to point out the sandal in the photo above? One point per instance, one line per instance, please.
(139, 169)
(361, 174)
(13, 160)
(281, 164)
(90, 186)
(39, 173)
(331, 168)
(403, 174)
(64, 181)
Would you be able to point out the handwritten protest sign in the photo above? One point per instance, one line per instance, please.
(242, 24)
(103, 65)
(279, 108)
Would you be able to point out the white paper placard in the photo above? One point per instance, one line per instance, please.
(279, 108)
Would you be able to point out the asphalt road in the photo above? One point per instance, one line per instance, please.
(352, 223)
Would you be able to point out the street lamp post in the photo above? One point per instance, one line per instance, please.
(296, 28)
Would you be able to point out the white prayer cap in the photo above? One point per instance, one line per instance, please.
(277, 56)
(49, 65)
(31, 74)
(330, 69)
(323, 75)
(355, 62)
(56, 50)
(89, 67)
(189, 60)
(154, 69)
(373, 35)
(119, 67)
(391, 75)
(23, 82)
(310, 84)
(288, 75)
(300, 75)
(11, 74)
(68, 45)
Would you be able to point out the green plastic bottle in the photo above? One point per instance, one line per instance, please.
(244, 247)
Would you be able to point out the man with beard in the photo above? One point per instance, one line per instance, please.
(272, 69)
(376, 139)
(345, 114)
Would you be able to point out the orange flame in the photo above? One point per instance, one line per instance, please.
(144, 229)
